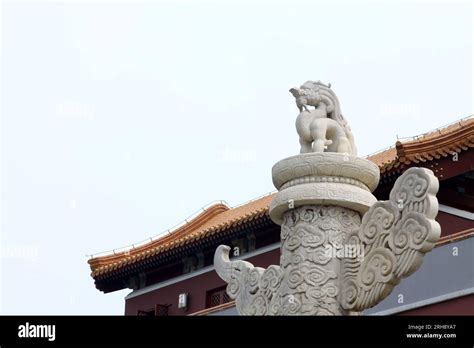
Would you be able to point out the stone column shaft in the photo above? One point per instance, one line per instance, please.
(312, 239)
(320, 201)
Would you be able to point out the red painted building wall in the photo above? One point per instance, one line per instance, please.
(196, 288)
(458, 306)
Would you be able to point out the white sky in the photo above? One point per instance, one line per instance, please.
(119, 120)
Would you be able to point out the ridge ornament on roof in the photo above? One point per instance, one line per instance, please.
(341, 250)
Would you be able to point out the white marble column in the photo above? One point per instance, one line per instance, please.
(341, 250)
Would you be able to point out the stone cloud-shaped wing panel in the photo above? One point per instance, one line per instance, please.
(254, 289)
(395, 235)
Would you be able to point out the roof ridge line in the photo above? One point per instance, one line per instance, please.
(167, 232)
(404, 140)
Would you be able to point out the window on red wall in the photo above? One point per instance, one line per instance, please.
(162, 310)
(159, 310)
(216, 297)
(146, 313)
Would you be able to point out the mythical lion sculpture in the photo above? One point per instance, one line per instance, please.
(322, 128)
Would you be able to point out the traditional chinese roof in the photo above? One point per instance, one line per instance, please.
(427, 147)
(219, 218)
(215, 219)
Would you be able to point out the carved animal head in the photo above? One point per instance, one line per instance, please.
(306, 96)
(295, 92)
